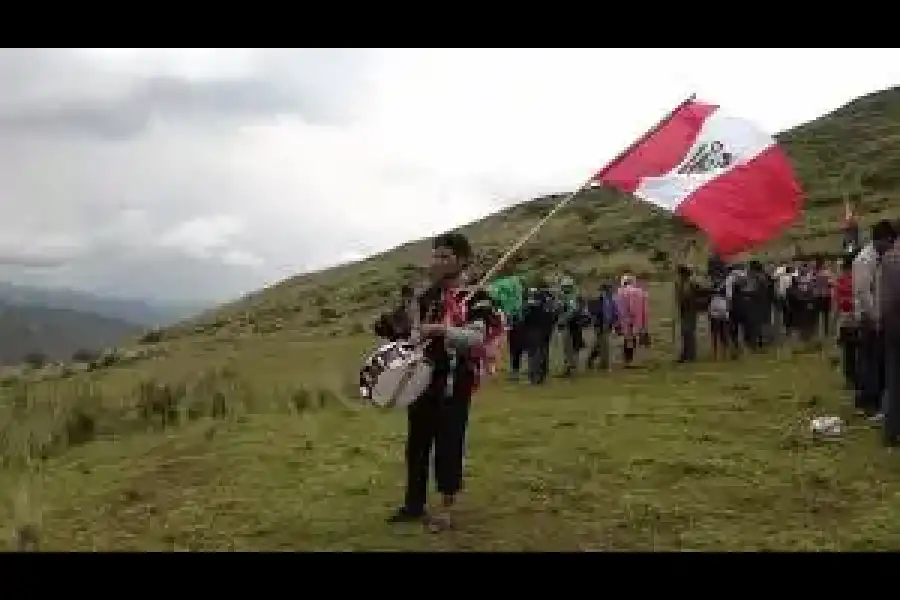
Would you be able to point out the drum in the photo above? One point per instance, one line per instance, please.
(395, 375)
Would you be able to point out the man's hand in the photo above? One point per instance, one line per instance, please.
(433, 329)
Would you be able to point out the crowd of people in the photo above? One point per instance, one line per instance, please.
(749, 307)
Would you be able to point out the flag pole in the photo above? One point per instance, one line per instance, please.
(572, 195)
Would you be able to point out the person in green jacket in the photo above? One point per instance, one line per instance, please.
(508, 293)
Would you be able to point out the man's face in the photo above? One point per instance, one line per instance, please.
(444, 264)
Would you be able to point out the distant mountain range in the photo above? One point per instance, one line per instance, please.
(56, 322)
(138, 312)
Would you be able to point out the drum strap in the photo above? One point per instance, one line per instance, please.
(454, 316)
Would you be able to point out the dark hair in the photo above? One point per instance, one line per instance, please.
(456, 243)
(406, 290)
(884, 231)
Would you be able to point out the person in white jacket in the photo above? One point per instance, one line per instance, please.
(784, 279)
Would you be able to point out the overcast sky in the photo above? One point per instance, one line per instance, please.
(206, 173)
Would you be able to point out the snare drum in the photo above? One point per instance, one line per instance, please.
(395, 375)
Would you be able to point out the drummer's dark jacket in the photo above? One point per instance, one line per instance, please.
(454, 365)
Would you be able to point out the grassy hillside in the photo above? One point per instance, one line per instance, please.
(235, 431)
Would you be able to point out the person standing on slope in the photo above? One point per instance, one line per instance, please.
(438, 420)
(538, 318)
(890, 321)
(738, 308)
(784, 280)
(822, 291)
(842, 306)
(718, 321)
(867, 305)
(687, 295)
(633, 309)
(604, 317)
(570, 325)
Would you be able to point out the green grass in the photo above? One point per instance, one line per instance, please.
(712, 456)
(235, 431)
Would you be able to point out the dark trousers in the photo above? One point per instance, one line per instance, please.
(892, 390)
(785, 313)
(870, 370)
(438, 423)
(766, 332)
(629, 346)
(688, 330)
(600, 349)
(753, 326)
(805, 319)
(848, 341)
(538, 350)
(823, 315)
(740, 327)
(516, 341)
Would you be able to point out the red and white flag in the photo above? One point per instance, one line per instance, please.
(720, 172)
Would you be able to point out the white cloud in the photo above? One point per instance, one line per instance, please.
(214, 171)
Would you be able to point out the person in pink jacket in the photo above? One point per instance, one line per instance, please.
(632, 303)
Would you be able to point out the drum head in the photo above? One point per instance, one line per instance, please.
(402, 384)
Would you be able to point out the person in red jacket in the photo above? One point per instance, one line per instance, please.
(842, 308)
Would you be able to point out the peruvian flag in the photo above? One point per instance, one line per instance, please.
(720, 172)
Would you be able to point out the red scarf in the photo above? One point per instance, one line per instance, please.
(455, 316)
